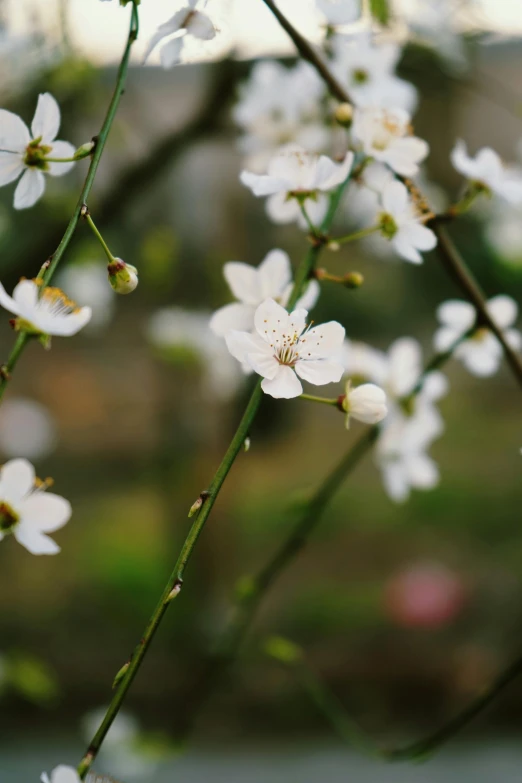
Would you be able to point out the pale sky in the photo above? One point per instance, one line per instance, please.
(98, 29)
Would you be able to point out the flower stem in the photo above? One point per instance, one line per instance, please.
(61, 160)
(312, 398)
(175, 581)
(99, 237)
(365, 232)
(101, 140)
(312, 228)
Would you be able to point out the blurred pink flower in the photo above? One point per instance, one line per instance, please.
(425, 595)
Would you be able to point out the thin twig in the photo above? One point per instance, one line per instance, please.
(51, 265)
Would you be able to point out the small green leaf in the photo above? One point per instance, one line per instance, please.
(380, 11)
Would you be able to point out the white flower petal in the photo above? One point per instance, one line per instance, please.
(63, 774)
(235, 316)
(45, 511)
(170, 53)
(274, 274)
(329, 174)
(308, 300)
(394, 480)
(35, 542)
(240, 344)
(284, 385)
(14, 133)
(200, 26)
(264, 363)
(503, 309)
(479, 360)
(29, 189)
(319, 371)
(7, 302)
(25, 295)
(281, 209)
(16, 480)
(323, 341)
(243, 281)
(262, 184)
(69, 324)
(46, 120)
(395, 198)
(403, 247)
(458, 315)
(61, 149)
(271, 321)
(445, 338)
(423, 471)
(11, 166)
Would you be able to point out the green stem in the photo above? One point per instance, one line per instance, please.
(61, 160)
(99, 237)
(420, 750)
(324, 400)
(208, 497)
(364, 232)
(50, 266)
(312, 228)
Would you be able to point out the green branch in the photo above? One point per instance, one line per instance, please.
(208, 497)
(49, 267)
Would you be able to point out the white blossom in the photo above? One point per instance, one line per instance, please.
(27, 511)
(175, 330)
(412, 423)
(25, 152)
(26, 428)
(44, 311)
(385, 135)
(487, 170)
(402, 223)
(367, 71)
(272, 279)
(186, 22)
(283, 348)
(297, 177)
(481, 353)
(339, 12)
(61, 774)
(366, 403)
(277, 106)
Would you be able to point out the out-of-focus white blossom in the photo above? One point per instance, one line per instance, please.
(283, 348)
(272, 279)
(488, 171)
(412, 423)
(173, 329)
(367, 70)
(27, 511)
(44, 311)
(432, 23)
(296, 177)
(278, 106)
(188, 21)
(402, 223)
(481, 353)
(385, 135)
(121, 750)
(366, 403)
(87, 284)
(504, 233)
(26, 429)
(61, 774)
(339, 12)
(27, 152)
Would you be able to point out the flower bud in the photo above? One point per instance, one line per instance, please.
(85, 150)
(366, 403)
(344, 114)
(353, 280)
(122, 277)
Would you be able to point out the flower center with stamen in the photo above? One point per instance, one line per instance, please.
(56, 302)
(35, 154)
(8, 517)
(360, 76)
(387, 225)
(480, 334)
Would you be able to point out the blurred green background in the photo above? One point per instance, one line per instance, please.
(140, 436)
